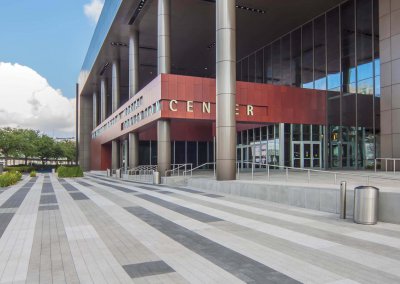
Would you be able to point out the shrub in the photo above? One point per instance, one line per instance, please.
(10, 178)
(32, 174)
(21, 169)
(66, 172)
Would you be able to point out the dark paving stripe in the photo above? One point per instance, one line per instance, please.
(213, 195)
(69, 187)
(47, 187)
(84, 183)
(165, 192)
(120, 188)
(147, 269)
(235, 263)
(147, 187)
(48, 199)
(16, 199)
(199, 216)
(5, 219)
(186, 189)
(48, 207)
(78, 196)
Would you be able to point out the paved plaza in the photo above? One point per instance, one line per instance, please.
(98, 230)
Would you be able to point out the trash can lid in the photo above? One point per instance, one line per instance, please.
(363, 187)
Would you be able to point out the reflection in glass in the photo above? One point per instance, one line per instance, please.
(308, 56)
(296, 57)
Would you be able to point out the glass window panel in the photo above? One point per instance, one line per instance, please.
(259, 66)
(364, 39)
(191, 153)
(251, 135)
(239, 71)
(296, 132)
(319, 53)
(252, 68)
(264, 133)
(366, 87)
(267, 65)
(308, 56)
(296, 57)
(245, 69)
(306, 132)
(333, 51)
(348, 42)
(315, 132)
(276, 62)
(257, 134)
(285, 63)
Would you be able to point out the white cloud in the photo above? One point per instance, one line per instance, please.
(28, 101)
(93, 9)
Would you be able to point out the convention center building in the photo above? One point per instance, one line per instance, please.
(305, 83)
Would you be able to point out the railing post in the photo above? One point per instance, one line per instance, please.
(268, 172)
(335, 178)
(343, 200)
(309, 176)
(287, 174)
(394, 166)
(375, 164)
(252, 171)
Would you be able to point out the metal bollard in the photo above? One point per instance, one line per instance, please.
(1, 168)
(343, 186)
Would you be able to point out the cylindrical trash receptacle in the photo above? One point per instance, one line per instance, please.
(118, 173)
(156, 178)
(366, 200)
(108, 172)
(1, 168)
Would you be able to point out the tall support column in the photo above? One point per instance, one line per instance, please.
(163, 66)
(95, 117)
(163, 146)
(85, 120)
(103, 99)
(115, 85)
(115, 154)
(226, 89)
(133, 63)
(133, 150)
(389, 46)
(281, 144)
(164, 50)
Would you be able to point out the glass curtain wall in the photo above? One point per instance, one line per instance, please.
(337, 51)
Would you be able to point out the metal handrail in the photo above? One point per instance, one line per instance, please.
(198, 167)
(178, 167)
(309, 171)
(386, 163)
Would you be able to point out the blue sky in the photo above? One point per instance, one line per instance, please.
(49, 36)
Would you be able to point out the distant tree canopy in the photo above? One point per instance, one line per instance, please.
(28, 144)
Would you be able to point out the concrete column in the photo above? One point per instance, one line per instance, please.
(133, 63)
(115, 85)
(133, 150)
(281, 144)
(95, 118)
(115, 154)
(226, 89)
(389, 45)
(163, 146)
(103, 99)
(85, 123)
(164, 50)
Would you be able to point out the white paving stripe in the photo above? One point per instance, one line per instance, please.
(16, 242)
(295, 268)
(375, 261)
(188, 264)
(376, 238)
(87, 247)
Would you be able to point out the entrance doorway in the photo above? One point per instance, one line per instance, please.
(306, 154)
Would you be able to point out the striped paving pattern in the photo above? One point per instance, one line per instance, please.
(98, 230)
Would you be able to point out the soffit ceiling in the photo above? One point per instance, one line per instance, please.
(193, 31)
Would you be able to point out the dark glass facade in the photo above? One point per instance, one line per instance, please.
(337, 52)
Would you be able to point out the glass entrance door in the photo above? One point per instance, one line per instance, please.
(306, 154)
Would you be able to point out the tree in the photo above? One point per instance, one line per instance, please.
(69, 150)
(27, 143)
(8, 142)
(45, 147)
(57, 151)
